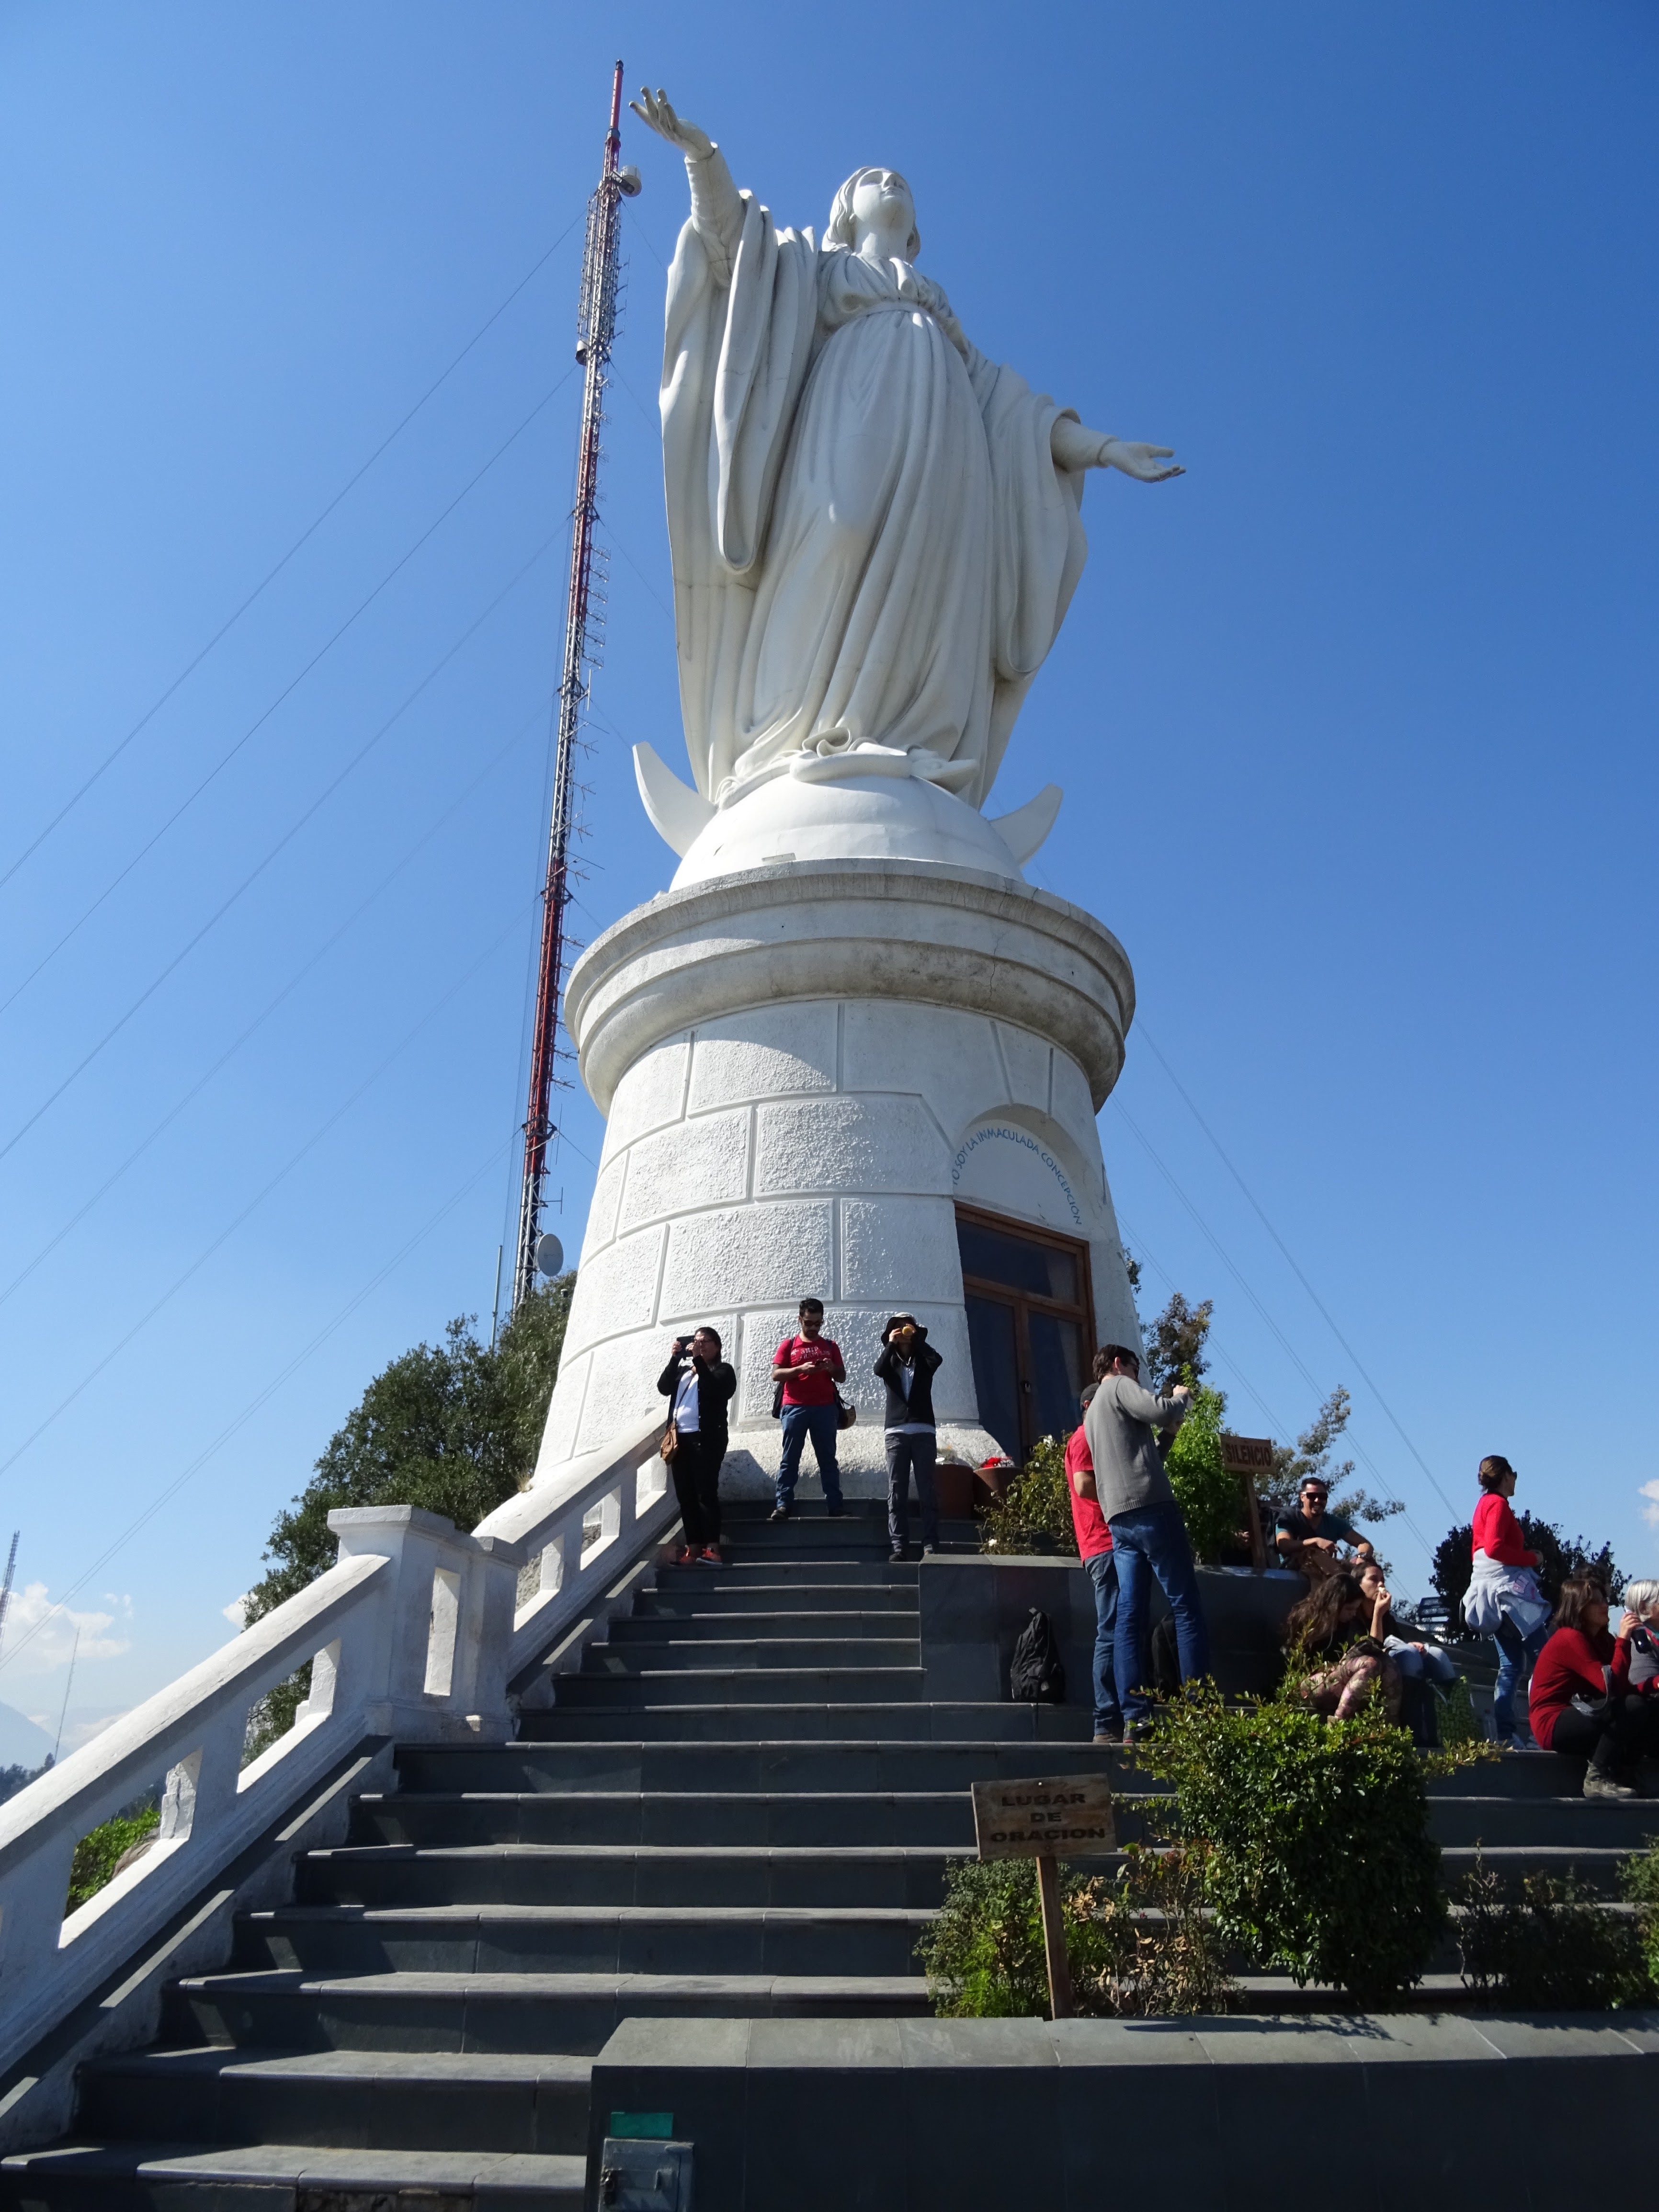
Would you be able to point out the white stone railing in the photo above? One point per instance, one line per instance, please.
(415, 1632)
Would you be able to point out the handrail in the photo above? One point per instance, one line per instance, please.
(417, 1632)
(629, 1482)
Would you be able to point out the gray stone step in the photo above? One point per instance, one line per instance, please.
(519, 2102)
(567, 1939)
(1575, 1820)
(627, 1816)
(722, 1653)
(763, 1629)
(686, 1596)
(272, 2177)
(575, 2013)
(784, 1723)
(756, 1566)
(730, 1686)
(385, 1876)
(787, 1763)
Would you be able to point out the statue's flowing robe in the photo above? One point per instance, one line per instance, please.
(870, 538)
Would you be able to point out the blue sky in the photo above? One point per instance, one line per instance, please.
(1355, 721)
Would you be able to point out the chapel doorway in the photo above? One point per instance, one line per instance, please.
(1030, 1326)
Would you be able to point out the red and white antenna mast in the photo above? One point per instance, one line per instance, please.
(596, 329)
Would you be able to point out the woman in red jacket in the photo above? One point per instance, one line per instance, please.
(1582, 1711)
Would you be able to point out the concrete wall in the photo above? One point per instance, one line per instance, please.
(973, 1609)
(1487, 2113)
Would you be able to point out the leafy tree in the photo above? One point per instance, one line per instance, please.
(1211, 1500)
(1174, 1343)
(454, 1427)
(1314, 1453)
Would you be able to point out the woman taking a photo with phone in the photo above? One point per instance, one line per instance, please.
(701, 1384)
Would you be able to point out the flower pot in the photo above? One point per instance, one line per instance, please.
(953, 1483)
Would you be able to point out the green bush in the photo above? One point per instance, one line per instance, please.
(1322, 1865)
(1639, 1880)
(1035, 1512)
(1140, 1945)
(1549, 1949)
(1212, 1501)
(1458, 1723)
(101, 1848)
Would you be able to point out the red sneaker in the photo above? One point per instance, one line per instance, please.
(710, 1556)
(684, 1556)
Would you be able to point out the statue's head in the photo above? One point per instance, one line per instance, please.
(871, 196)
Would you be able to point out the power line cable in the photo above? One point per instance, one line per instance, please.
(1229, 1358)
(1284, 1250)
(286, 692)
(310, 532)
(286, 839)
(272, 1004)
(87, 1574)
(1227, 1260)
(254, 1203)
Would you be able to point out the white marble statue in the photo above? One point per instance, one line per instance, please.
(875, 530)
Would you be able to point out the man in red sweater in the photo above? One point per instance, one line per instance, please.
(1582, 1660)
(808, 1365)
(1094, 1544)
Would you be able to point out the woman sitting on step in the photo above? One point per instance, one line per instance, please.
(1583, 1703)
(1339, 1629)
(1420, 1663)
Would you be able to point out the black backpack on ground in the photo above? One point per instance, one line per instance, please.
(1035, 1675)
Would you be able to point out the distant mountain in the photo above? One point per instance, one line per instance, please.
(22, 1744)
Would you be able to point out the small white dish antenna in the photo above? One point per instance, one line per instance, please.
(550, 1255)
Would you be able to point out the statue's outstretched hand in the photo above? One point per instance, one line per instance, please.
(1139, 461)
(656, 113)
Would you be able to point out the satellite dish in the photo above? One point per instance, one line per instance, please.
(550, 1255)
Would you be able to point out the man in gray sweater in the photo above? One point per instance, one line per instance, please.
(1129, 1430)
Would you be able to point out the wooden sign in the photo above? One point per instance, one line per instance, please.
(1072, 1816)
(1247, 1455)
(1033, 1821)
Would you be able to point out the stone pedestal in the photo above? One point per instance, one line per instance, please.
(804, 1068)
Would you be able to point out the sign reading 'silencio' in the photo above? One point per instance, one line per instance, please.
(1040, 1819)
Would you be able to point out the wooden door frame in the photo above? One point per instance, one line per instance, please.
(1008, 1294)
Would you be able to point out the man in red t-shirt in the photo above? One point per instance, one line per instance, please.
(1094, 1543)
(808, 1365)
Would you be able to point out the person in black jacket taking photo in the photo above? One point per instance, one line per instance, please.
(907, 1363)
(701, 1384)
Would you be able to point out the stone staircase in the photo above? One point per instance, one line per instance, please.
(742, 1806)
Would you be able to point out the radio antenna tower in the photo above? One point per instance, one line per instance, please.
(596, 329)
(5, 1588)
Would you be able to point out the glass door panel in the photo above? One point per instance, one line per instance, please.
(1056, 1374)
(996, 1371)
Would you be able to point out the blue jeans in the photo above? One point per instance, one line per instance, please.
(821, 1423)
(1517, 1654)
(1101, 1571)
(1151, 1540)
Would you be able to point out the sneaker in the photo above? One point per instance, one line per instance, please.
(900, 1552)
(710, 1556)
(684, 1556)
(1597, 1784)
(928, 1550)
(834, 1509)
(780, 1513)
(1108, 1735)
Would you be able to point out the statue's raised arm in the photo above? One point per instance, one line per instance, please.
(875, 528)
(716, 206)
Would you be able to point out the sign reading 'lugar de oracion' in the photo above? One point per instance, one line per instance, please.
(1071, 1815)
